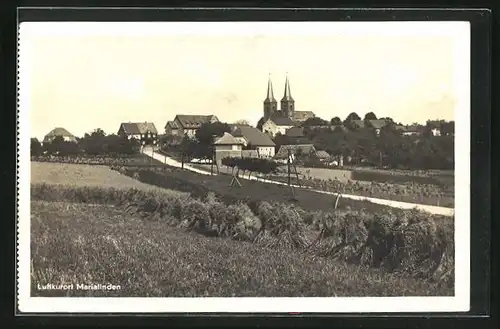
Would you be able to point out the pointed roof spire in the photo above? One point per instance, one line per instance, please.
(288, 94)
(270, 94)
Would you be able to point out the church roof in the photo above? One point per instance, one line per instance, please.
(288, 95)
(270, 94)
(282, 121)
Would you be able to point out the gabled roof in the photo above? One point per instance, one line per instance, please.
(304, 149)
(378, 124)
(194, 121)
(137, 128)
(359, 123)
(172, 124)
(295, 132)
(282, 121)
(58, 132)
(228, 139)
(303, 115)
(254, 136)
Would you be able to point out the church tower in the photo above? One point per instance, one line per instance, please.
(287, 102)
(270, 103)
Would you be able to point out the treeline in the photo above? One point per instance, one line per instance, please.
(390, 147)
(96, 143)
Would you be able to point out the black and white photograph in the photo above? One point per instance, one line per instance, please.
(244, 166)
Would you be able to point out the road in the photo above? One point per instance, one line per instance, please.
(391, 203)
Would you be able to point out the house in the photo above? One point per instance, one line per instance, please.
(59, 132)
(301, 116)
(377, 125)
(254, 139)
(143, 131)
(296, 150)
(188, 124)
(412, 130)
(275, 125)
(172, 128)
(227, 146)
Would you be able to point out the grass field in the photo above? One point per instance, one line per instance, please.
(133, 236)
(85, 175)
(79, 243)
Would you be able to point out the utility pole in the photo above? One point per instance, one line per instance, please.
(288, 167)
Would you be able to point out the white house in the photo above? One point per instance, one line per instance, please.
(254, 139)
(143, 131)
(227, 146)
(277, 125)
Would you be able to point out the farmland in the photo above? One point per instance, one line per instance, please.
(76, 243)
(322, 252)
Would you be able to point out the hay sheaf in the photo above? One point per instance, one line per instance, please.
(407, 241)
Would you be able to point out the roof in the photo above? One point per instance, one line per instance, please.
(304, 149)
(254, 136)
(58, 132)
(136, 128)
(270, 95)
(282, 121)
(172, 124)
(228, 139)
(287, 95)
(295, 132)
(303, 115)
(322, 154)
(194, 121)
(378, 124)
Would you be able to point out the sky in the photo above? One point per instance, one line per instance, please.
(83, 76)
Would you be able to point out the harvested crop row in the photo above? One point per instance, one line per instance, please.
(404, 241)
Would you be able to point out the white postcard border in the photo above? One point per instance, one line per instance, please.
(460, 31)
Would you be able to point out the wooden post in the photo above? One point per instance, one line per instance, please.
(288, 168)
(182, 160)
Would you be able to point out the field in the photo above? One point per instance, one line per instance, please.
(75, 243)
(144, 229)
(84, 175)
(333, 180)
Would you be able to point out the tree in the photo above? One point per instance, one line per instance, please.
(242, 122)
(370, 116)
(260, 123)
(336, 121)
(36, 147)
(353, 116)
(314, 121)
(98, 132)
(205, 135)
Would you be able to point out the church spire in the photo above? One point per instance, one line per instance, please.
(288, 95)
(270, 95)
(270, 103)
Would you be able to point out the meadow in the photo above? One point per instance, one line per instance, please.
(293, 250)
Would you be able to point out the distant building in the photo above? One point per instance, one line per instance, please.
(188, 124)
(277, 125)
(145, 132)
(254, 139)
(412, 130)
(287, 110)
(377, 125)
(227, 146)
(59, 132)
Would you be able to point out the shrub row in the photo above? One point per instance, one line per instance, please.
(121, 160)
(260, 165)
(405, 241)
